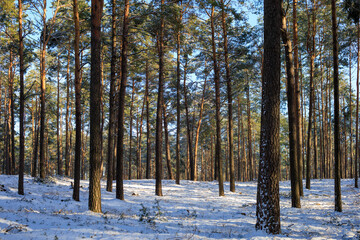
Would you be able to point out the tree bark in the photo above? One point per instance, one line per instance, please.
(292, 115)
(337, 170)
(299, 134)
(111, 133)
(22, 106)
(160, 101)
(120, 146)
(188, 127)
(148, 140)
(78, 143)
(95, 101)
(230, 100)
(268, 203)
(217, 107)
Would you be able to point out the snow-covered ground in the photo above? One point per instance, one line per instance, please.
(192, 210)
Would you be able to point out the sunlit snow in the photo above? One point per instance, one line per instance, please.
(192, 210)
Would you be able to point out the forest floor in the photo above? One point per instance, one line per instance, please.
(192, 210)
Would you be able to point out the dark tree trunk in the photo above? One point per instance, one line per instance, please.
(218, 160)
(357, 109)
(67, 115)
(111, 135)
(249, 140)
(158, 141)
(292, 115)
(268, 204)
(337, 170)
(167, 143)
(95, 102)
(188, 127)
(299, 134)
(178, 79)
(131, 126)
(58, 130)
(22, 106)
(120, 146)
(77, 165)
(42, 96)
(230, 100)
(148, 141)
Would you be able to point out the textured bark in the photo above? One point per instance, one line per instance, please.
(42, 98)
(77, 165)
(95, 98)
(229, 98)
(160, 101)
(337, 170)
(218, 160)
(292, 115)
(35, 140)
(268, 204)
(22, 106)
(299, 134)
(122, 93)
(111, 134)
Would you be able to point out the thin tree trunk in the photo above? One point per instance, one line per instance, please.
(217, 106)
(249, 140)
(167, 143)
(199, 123)
(292, 115)
(131, 123)
(148, 142)
(311, 50)
(22, 106)
(357, 109)
(337, 170)
(111, 135)
(160, 102)
(120, 146)
(77, 165)
(299, 134)
(230, 100)
(188, 127)
(350, 117)
(178, 80)
(67, 115)
(139, 136)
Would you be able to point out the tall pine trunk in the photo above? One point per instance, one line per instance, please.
(22, 106)
(95, 101)
(218, 160)
(268, 202)
(122, 93)
(337, 169)
(78, 143)
(292, 115)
